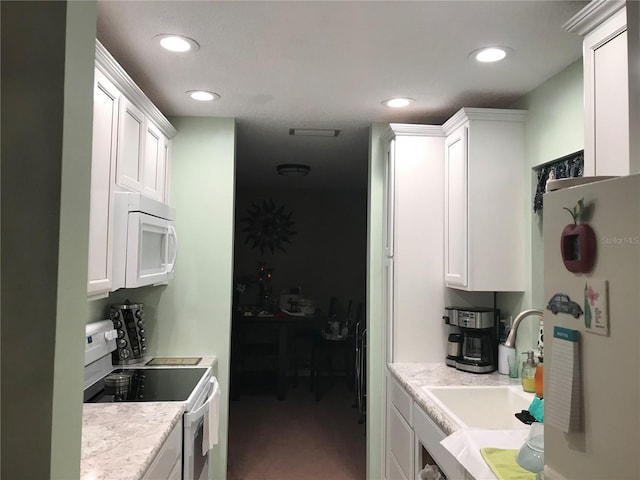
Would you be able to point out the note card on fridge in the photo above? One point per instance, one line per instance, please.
(563, 404)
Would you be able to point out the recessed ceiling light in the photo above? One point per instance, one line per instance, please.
(490, 54)
(177, 43)
(398, 102)
(203, 95)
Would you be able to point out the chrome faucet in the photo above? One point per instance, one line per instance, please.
(511, 339)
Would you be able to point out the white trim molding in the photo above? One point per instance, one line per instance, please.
(116, 74)
(591, 16)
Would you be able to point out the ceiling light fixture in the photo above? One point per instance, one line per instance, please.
(177, 43)
(314, 132)
(398, 102)
(490, 54)
(293, 169)
(203, 95)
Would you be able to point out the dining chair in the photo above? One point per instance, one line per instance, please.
(331, 344)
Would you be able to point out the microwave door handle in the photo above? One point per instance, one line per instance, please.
(172, 234)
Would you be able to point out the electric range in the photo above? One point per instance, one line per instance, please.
(146, 384)
(196, 387)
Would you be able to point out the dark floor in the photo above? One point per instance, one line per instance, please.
(296, 438)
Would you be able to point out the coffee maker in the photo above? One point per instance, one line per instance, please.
(473, 343)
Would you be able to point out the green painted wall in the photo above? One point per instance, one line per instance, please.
(554, 128)
(71, 311)
(47, 91)
(375, 331)
(193, 313)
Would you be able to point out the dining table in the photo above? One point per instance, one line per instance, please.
(286, 324)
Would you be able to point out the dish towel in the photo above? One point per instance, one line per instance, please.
(211, 419)
(503, 463)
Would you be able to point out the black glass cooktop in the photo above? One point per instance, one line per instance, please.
(145, 385)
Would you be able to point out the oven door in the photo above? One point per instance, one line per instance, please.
(195, 463)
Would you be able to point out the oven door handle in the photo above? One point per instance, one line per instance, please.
(197, 414)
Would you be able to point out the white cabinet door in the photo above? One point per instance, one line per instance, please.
(153, 172)
(606, 84)
(399, 435)
(106, 98)
(131, 140)
(400, 444)
(455, 208)
(143, 154)
(389, 310)
(484, 198)
(168, 458)
(389, 199)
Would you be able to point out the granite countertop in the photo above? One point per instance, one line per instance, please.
(412, 376)
(120, 440)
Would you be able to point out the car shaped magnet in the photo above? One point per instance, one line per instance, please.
(561, 303)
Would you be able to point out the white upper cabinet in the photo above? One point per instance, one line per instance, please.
(603, 24)
(106, 98)
(143, 154)
(484, 200)
(155, 163)
(130, 146)
(144, 136)
(130, 152)
(455, 207)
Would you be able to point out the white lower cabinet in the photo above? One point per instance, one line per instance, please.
(428, 448)
(168, 462)
(399, 443)
(413, 439)
(400, 446)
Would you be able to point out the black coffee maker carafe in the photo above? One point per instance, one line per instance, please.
(477, 327)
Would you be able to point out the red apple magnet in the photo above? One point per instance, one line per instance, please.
(578, 242)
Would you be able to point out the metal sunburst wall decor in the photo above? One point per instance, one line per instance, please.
(268, 226)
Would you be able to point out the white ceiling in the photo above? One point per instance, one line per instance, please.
(329, 64)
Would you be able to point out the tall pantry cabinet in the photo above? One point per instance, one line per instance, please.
(484, 207)
(413, 243)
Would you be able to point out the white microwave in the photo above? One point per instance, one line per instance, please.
(145, 245)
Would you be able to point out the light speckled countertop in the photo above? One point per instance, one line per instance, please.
(412, 376)
(121, 440)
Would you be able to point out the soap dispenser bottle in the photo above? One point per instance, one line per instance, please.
(529, 373)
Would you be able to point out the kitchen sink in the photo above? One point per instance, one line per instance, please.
(490, 407)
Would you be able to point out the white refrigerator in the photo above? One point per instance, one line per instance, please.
(592, 342)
